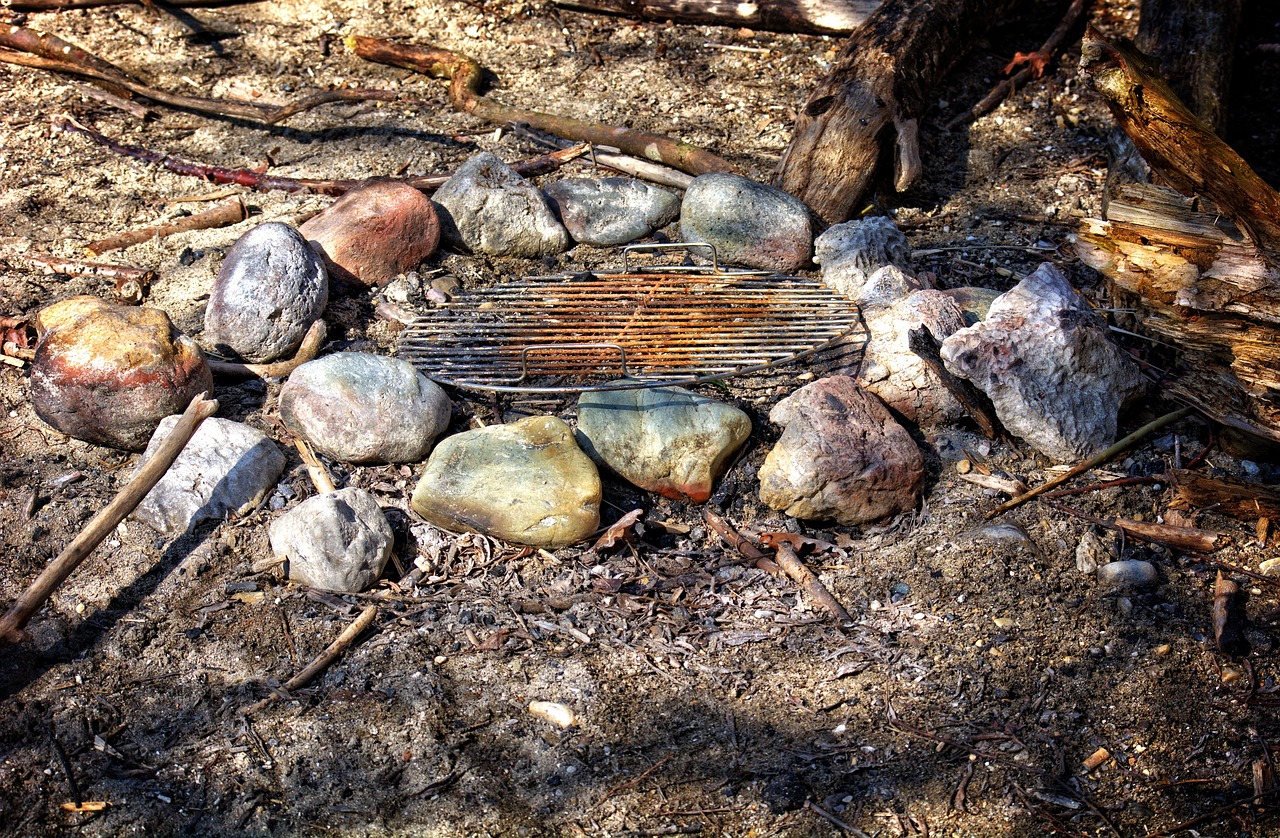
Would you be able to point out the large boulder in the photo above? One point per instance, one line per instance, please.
(842, 456)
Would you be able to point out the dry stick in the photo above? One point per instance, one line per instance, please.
(130, 283)
(53, 48)
(320, 477)
(63, 5)
(1181, 538)
(532, 167)
(105, 521)
(465, 76)
(310, 348)
(1092, 462)
(804, 577)
(224, 214)
(1009, 85)
(625, 163)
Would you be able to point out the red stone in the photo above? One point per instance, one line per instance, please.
(375, 232)
(108, 374)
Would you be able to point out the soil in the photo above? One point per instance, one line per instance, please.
(983, 670)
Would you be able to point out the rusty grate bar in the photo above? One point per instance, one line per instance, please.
(562, 334)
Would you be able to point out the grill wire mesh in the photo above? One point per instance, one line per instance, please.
(583, 332)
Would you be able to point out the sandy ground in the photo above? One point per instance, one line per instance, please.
(711, 697)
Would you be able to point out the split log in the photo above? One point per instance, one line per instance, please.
(806, 17)
(881, 79)
(1202, 271)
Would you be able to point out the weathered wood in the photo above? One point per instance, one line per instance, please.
(811, 17)
(1192, 43)
(881, 79)
(1228, 496)
(1202, 269)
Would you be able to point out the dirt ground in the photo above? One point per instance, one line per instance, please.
(711, 697)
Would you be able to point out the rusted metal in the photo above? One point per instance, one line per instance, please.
(677, 325)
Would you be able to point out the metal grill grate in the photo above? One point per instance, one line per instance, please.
(566, 334)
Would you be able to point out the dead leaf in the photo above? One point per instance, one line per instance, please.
(619, 531)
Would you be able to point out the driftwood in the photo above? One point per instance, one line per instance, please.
(811, 17)
(1228, 496)
(882, 79)
(1202, 271)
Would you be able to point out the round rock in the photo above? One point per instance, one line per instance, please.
(487, 207)
(607, 212)
(375, 232)
(1131, 574)
(527, 482)
(664, 439)
(361, 408)
(850, 253)
(749, 223)
(108, 374)
(339, 541)
(270, 289)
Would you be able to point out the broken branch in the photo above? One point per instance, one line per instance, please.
(465, 75)
(1096, 460)
(789, 561)
(310, 348)
(228, 212)
(16, 618)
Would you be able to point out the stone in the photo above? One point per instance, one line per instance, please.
(841, 456)
(883, 288)
(271, 287)
(488, 208)
(850, 253)
(895, 373)
(611, 211)
(108, 374)
(527, 482)
(1131, 574)
(1048, 364)
(1091, 552)
(226, 469)
(338, 541)
(1269, 567)
(663, 439)
(360, 408)
(748, 223)
(374, 232)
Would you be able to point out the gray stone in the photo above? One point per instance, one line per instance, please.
(1131, 574)
(664, 439)
(527, 482)
(606, 212)
(893, 371)
(1269, 567)
(749, 223)
(841, 456)
(1048, 364)
(488, 208)
(270, 289)
(883, 288)
(339, 541)
(851, 252)
(226, 468)
(362, 408)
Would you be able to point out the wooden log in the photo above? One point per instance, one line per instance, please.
(1192, 43)
(877, 89)
(809, 17)
(1201, 268)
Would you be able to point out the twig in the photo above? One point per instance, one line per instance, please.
(16, 618)
(224, 214)
(836, 822)
(65, 761)
(1092, 462)
(256, 180)
(625, 163)
(927, 348)
(130, 283)
(636, 780)
(1035, 66)
(1110, 484)
(788, 560)
(1207, 816)
(333, 651)
(310, 348)
(465, 76)
(64, 5)
(732, 537)
(1181, 538)
(320, 477)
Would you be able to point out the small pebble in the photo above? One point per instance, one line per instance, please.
(1131, 574)
(964, 466)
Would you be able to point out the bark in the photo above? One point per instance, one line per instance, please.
(812, 17)
(1203, 271)
(1192, 43)
(878, 87)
